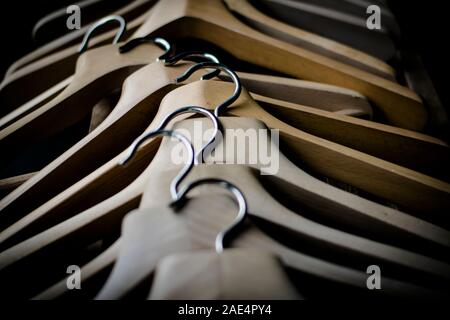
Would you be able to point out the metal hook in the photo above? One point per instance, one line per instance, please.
(168, 133)
(191, 55)
(194, 109)
(101, 22)
(193, 159)
(161, 42)
(221, 67)
(240, 218)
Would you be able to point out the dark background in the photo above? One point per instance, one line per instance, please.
(423, 25)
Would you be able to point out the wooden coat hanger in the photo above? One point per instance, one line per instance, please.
(47, 72)
(66, 59)
(209, 95)
(399, 146)
(227, 274)
(211, 21)
(393, 183)
(242, 177)
(236, 274)
(111, 178)
(319, 268)
(95, 218)
(306, 40)
(128, 12)
(53, 25)
(329, 71)
(313, 94)
(299, 261)
(334, 24)
(316, 95)
(128, 270)
(99, 72)
(139, 92)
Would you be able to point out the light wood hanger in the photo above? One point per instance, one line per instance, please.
(226, 273)
(403, 147)
(128, 271)
(393, 183)
(317, 95)
(313, 94)
(139, 102)
(334, 24)
(296, 36)
(99, 71)
(42, 240)
(49, 71)
(211, 21)
(107, 258)
(52, 25)
(236, 274)
(318, 267)
(129, 12)
(139, 93)
(81, 227)
(312, 150)
(59, 66)
(185, 239)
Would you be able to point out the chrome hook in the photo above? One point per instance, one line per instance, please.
(168, 133)
(223, 236)
(221, 67)
(194, 109)
(101, 22)
(193, 159)
(191, 55)
(161, 42)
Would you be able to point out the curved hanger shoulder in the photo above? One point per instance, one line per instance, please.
(99, 72)
(234, 274)
(335, 24)
(135, 240)
(48, 71)
(313, 94)
(210, 21)
(141, 96)
(95, 217)
(419, 193)
(410, 149)
(136, 107)
(129, 12)
(310, 41)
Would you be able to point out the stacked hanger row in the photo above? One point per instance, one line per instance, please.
(300, 230)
